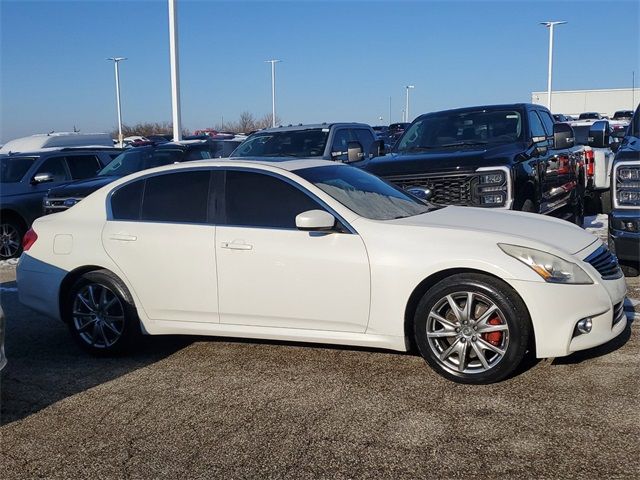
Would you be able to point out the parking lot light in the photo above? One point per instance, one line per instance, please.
(550, 26)
(273, 90)
(116, 61)
(406, 110)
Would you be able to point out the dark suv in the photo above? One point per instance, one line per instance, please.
(500, 156)
(624, 218)
(343, 142)
(130, 161)
(25, 178)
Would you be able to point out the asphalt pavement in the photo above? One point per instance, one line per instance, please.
(193, 407)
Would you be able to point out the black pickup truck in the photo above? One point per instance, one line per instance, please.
(501, 156)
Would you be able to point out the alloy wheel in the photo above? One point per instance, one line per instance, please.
(467, 332)
(9, 241)
(98, 315)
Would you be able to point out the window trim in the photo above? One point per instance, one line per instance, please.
(348, 229)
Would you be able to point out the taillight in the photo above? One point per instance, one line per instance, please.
(589, 159)
(29, 239)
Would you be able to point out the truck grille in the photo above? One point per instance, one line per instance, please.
(447, 190)
(605, 263)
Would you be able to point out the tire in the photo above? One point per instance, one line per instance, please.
(605, 201)
(529, 206)
(101, 314)
(11, 233)
(500, 338)
(577, 215)
(629, 270)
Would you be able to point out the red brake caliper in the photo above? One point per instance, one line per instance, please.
(494, 338)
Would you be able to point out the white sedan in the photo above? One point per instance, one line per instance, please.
(316, 251)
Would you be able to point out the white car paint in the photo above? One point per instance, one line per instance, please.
(350, 289)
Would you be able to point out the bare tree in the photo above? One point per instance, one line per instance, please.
(247, 123)
(146, 128)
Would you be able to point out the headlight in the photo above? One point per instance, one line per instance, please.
(551, 268)
(627, 186)
(490, 188)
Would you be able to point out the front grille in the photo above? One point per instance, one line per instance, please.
(618, 312)
(447, 190)
(605, 263)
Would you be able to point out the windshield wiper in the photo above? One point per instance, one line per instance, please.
(464, 142)
(417, 149)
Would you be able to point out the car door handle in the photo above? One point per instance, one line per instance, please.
(122, 237)
(236, 246)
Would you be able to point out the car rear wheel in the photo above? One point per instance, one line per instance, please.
(11, 233)
(472, 328)
(101, 314)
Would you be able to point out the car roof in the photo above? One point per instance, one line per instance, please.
(48, 150)
(309, 126)
(505, 106)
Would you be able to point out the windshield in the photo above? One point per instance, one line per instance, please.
(140, 159)
(295, 143)
(363, 193)
(12, 169)
(453, 129)
(589, 116)
(622, 115)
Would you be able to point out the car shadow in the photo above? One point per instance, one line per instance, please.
(611, 346)
(45, 365)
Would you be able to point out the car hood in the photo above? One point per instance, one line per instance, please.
(456, 159)
(559, 234)
(80, 188)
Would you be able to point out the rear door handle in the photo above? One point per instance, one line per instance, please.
(122, 237)
(236, 246)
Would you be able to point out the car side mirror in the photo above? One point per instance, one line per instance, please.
(354, 152)
(563, 136)
(599, 134)
(42, 178)
(315, 220)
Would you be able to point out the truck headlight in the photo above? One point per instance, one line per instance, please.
(627, 185)
(551, 268)
(490, 188)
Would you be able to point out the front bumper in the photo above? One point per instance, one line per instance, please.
(556, 309)
(625, 244)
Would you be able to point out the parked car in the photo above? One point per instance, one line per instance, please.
(599, 146)
(41, 141)
(341, 142)
(318, 251)
(624, 219)
(396, 130)
(496, 156)
(25, 178)
(131, 160)
(623, 115)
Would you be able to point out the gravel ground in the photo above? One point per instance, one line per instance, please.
(202, 408)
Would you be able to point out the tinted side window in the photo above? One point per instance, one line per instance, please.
(176, 197)
(55, 166)
(535, 124)
(340, 144)
(126, 201)
(83, 166)
(259, 200)
(547, 122)
(365, 137)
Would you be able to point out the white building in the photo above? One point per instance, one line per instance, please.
(574, 102)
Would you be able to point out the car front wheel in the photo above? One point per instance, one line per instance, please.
(472, 328)
(101, 314)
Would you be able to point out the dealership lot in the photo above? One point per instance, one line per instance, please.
(185, 406)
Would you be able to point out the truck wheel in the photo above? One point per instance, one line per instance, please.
(577, 216)
(529, 206)
(629, 270)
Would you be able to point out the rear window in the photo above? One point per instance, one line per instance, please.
(13, 169)
(294, 143)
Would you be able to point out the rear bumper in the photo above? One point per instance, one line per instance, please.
(39, 285)
(556, 309)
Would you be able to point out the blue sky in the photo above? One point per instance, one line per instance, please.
(341, 60)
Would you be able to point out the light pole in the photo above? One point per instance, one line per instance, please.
(116, 61)
(273, 90)
(175, 73)
(550, 26)
(406, 110)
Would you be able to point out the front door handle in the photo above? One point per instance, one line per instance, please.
(236, 245)
(121, 237)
